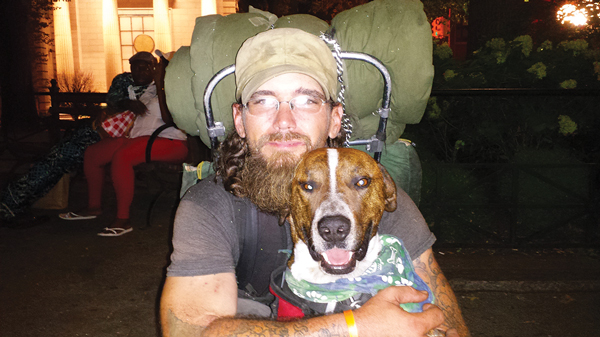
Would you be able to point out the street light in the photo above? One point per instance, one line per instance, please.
(578, 13)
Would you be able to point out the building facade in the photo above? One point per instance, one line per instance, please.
(95, 38)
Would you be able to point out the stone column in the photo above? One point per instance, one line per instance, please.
(162, 26)
(209, 7)
(62, 39)
(112, 39)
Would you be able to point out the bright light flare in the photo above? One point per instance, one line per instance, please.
(578, 13)
(573, 15)
(592, 5)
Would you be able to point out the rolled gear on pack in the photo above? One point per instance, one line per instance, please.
(397, 33)
(180, 97)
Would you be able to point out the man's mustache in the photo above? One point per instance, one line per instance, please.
(283, 137)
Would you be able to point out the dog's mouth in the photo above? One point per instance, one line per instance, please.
(339, 261)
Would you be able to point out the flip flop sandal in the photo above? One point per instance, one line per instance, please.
(74, 216)
(114, 231)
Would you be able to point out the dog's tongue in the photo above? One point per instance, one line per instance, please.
(337, 256)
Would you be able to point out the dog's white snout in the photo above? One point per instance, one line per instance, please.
(334, 225)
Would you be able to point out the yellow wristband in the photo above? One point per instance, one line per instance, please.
(352, 330)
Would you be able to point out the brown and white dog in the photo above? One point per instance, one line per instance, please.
(338, 198)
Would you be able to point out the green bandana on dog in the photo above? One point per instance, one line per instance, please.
(393, 267)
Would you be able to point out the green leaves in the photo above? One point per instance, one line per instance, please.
(520, 63)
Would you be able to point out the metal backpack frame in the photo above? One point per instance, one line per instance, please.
(374, 144)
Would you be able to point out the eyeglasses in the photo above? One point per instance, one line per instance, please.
(268, 105)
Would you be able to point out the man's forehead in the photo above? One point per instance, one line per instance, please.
(299, 91)
(292, 83)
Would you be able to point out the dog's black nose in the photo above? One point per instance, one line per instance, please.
(334, 228)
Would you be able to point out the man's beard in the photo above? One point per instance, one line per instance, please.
(266, 182)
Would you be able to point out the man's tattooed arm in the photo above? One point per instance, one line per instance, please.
(264, 328)
(428, 269)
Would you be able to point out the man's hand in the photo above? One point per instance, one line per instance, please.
(382, 315)
(159, 73)
(135, 106)
(159, 80)
(452, 333)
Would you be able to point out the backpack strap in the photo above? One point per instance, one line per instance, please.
(247, 226)
(246, 218)
(153, 137)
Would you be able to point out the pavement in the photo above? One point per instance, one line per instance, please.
(60, 279)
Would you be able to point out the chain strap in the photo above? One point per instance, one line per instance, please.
(346, 122)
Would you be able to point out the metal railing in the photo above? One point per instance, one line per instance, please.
(514, 92)
(513, 205)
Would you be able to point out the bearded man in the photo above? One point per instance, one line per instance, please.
(285, 87)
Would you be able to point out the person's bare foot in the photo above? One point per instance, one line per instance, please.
(117, 228)
(84, 214)
(121, 223)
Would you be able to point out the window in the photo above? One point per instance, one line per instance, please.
(133, 22)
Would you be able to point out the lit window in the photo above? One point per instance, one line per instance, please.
(133, 22)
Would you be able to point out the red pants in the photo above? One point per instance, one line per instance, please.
(124, 154)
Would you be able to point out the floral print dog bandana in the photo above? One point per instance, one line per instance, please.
(393, 267)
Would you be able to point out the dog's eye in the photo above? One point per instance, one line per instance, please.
(364, 182)
(308, 187)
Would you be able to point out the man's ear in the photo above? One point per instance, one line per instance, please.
(335, 120)
(238, 119)
(389, 189)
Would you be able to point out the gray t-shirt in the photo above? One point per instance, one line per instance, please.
(205, 238)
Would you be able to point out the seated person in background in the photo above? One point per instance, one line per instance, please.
(278, 74)
(141, 92)
(65, 157)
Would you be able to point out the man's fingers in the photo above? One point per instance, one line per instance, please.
(427, 306)
(137, 107)
(402, 294)
(452, 333)
(432, 316)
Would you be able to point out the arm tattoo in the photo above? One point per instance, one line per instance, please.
(251, 328)
(334, 331)
(445, 299)
(264, 328)
(177, 327)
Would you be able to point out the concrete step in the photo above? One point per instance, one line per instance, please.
(527, 270)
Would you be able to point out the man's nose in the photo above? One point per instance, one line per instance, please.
(284, 119)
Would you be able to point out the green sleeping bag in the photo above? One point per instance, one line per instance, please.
(397, 33)
(394, 31)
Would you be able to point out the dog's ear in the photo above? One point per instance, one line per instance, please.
(389, 189)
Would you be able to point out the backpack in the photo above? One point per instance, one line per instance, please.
(394, 31)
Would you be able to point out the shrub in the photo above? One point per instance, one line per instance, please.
(77, 82)
(494, 128)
